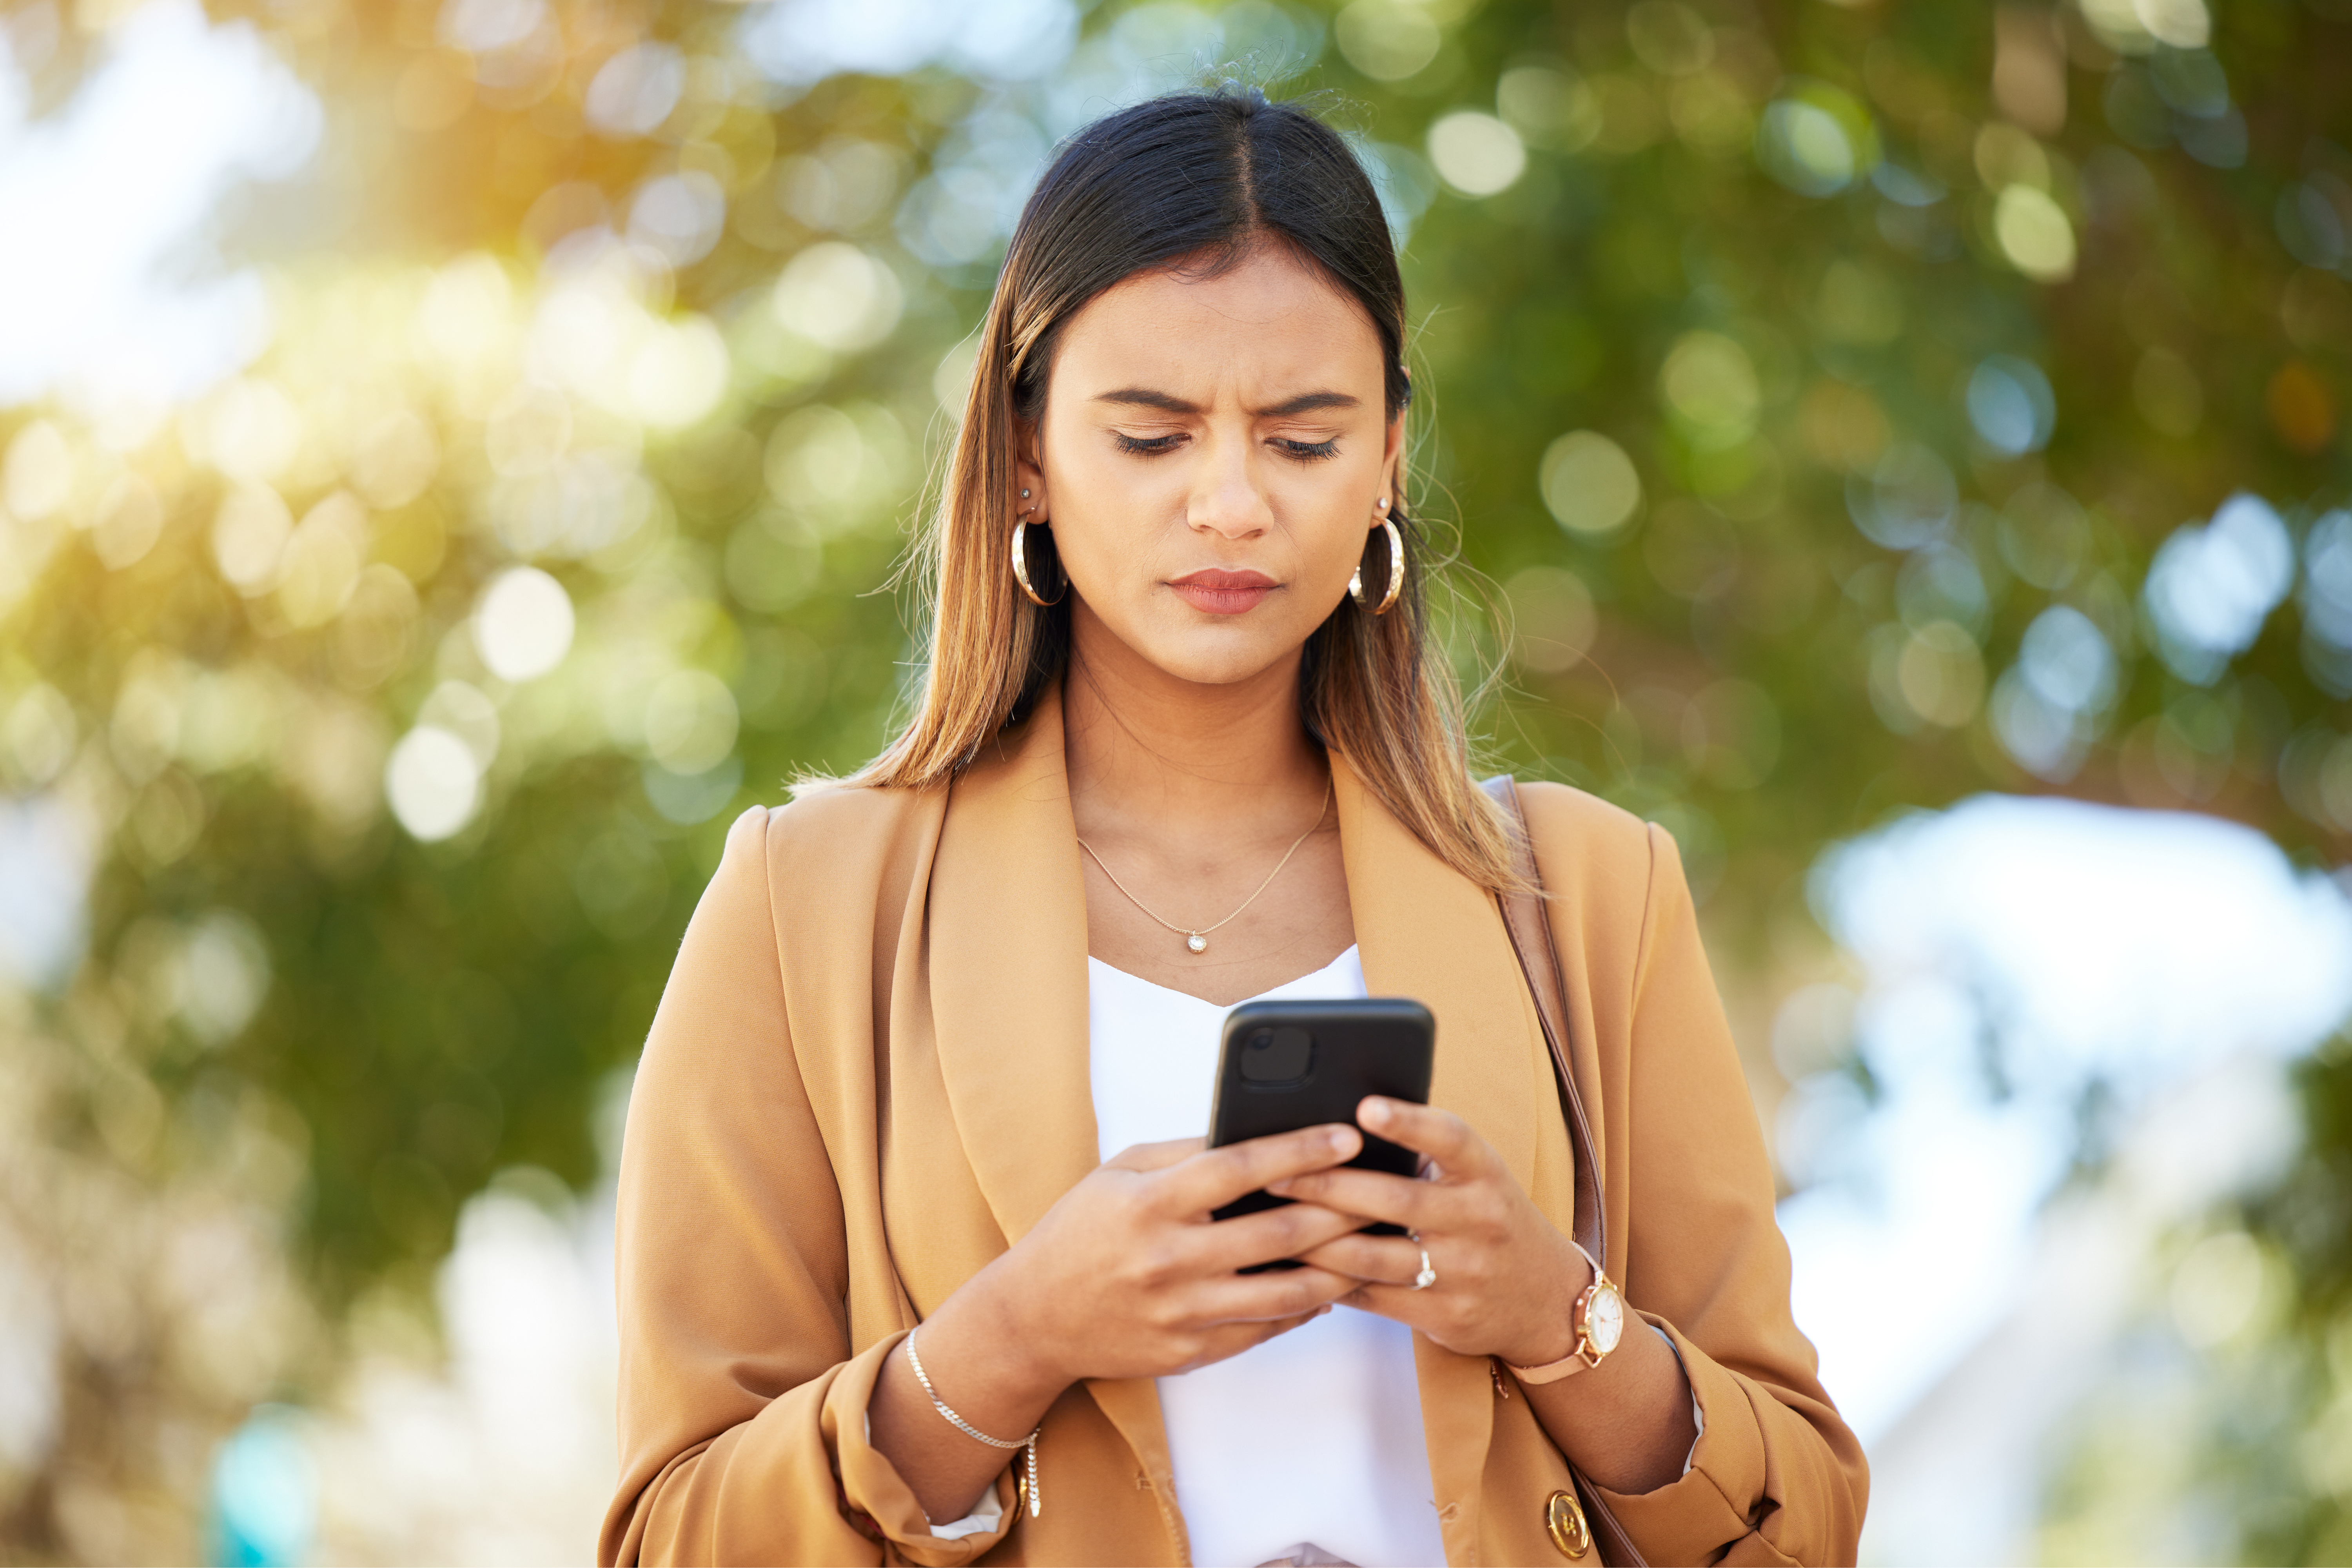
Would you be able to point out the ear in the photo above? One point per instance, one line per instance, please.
(1028, 474)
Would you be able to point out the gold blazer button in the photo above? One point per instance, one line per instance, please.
(1564, 1517)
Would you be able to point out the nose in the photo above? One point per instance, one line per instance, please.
(1226, 499)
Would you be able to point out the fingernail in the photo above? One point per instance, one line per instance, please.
(1339, 1140)
(1374, 1111)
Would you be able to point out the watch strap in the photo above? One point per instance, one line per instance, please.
(1576, 1359)
(1567, 1365)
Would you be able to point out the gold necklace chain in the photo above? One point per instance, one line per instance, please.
(1197, 938)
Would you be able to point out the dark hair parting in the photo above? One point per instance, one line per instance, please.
(1198, 178)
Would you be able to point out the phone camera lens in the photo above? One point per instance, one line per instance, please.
(1276, 1057)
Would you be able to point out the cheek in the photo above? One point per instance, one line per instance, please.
(1104, 504)
(1107, 527)
(1332, 534)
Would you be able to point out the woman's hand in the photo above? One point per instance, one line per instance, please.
(1126, 1276)
(1507, 1278)
(1506, 1283)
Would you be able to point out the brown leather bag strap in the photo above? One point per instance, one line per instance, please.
(1524, 918)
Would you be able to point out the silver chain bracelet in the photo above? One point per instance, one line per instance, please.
(969, 1430)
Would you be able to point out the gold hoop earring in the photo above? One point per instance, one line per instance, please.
(1396, 571)
(1020, 571)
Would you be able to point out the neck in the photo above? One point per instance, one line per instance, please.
(1149, 751)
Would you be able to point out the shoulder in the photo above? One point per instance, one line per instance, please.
(1614, 878)
(1584, 842)
(824, 875)
(832, 831)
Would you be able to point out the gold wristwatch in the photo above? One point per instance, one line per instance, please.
(1599, 1320)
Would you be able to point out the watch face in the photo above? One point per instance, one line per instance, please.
(1604, 1320)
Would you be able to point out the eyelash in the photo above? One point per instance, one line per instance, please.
(1304, 451)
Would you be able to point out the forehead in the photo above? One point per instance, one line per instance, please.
(1271, 322)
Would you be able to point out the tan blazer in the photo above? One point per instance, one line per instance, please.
(868, 1076)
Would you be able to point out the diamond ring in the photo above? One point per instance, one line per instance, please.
(1428, 1275)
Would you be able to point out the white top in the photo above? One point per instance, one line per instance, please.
(1308, 1448)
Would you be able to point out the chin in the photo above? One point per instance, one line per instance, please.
(1221, 660)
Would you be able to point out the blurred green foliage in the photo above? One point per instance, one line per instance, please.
(1836, 395)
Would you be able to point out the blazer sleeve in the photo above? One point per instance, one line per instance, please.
(1776, 1477)
(742, 1408)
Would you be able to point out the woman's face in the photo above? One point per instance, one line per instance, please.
(1212, 454)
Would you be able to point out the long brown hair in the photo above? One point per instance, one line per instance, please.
(1198, 179)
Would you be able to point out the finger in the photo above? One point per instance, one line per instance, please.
(1232, 1338)
(1247, 1240)
(1440, 1134)
(1372, 1260)
(1401, 1303)
(1376, 1195)
(1156, 1156)
(1214, 1178)
(1262, 1333)
(1264, 1298)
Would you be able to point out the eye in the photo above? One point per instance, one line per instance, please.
(1146, 448)
(1310, 451)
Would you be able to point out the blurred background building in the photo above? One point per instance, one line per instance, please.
(454, 455)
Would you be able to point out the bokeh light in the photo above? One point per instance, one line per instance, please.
(434, 781)
(1475, 153)
(1589, 483)
(523, 625)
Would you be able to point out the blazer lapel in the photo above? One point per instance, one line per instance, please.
(1424, 931)
(1008, 965)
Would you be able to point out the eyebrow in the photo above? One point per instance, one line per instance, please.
(1305, 403)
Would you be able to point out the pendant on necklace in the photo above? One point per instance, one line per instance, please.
(1197, 943)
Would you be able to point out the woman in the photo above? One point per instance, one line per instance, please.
(937, 1047)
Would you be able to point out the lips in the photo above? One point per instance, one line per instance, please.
(1219, 592)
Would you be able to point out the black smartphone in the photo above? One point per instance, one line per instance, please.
(1287, 1065)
